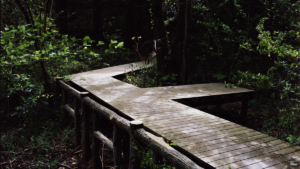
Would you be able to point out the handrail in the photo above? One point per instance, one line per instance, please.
(133, 128)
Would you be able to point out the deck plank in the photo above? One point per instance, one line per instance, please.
(276, 159)
(197, 125)
(215, 141)
(249, 158)
(217, 154)
(221, 143)
(204, 134)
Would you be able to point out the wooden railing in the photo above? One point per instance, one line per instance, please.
(86, 109)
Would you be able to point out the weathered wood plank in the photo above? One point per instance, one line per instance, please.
(207, 131)
(191, 126)
(280, 153)
(179, 116)
(77, 121)
(183, 123)
(107, 113)
(278, 158)
(196, 128)
(108, 143)
(96, 163)
(211, 136)
(117, 143)
(65, 99)
(159, 146)
(85, 140)
(293, 164)
(69, 110)
(218, 144)
(247, 158)
(216, 141)
(199, 139)
(217, 154)
(134, 160)
(69, 89)
(170, 115)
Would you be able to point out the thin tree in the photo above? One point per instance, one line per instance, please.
(159, 34)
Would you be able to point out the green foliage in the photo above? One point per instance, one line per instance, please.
(10, 14)
(145, 154)
(146, 162)
(293, 139)
(281, 81)
(37, 140)
(147, 76)
(21, 77)
(23, 45)
(219, 27)
(67, 135)
(53, 164)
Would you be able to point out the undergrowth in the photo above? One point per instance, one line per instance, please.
(148, 76)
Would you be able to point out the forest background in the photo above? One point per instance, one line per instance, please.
(249, 43)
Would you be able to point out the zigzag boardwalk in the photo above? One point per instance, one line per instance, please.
(208, 140)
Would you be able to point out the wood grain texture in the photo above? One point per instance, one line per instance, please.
(214, 141)
(117, 144)
(108, 143)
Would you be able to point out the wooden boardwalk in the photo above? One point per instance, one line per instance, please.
(210, 140)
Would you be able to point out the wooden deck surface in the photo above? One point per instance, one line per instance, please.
(215, 141)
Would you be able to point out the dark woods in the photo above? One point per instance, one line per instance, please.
(250, 43)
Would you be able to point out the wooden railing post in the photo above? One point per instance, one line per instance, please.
(77, 119)
(96, 163)
(126, 147)
(65, 98)
(117, 143)
(57, 91)
(134, 162)
(85, 140)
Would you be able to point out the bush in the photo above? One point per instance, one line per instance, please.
(281, 81)
(30, 59)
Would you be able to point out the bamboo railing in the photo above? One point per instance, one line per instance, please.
(86, 109)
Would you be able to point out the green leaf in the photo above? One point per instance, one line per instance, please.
(86, 38)
(100, 43)
(64, 36)
(173, 144)
(113, 41)
(120, 45)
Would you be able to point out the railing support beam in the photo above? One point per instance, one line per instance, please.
(85, 140)
(134, 161)
(96, 163)
(117, 143)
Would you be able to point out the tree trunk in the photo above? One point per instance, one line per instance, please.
(177, 46)
(46, 11)
(184, 54)
(24, 12)
(159, 34)
(129, 26)
(98, 20)
(29, 19)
